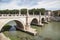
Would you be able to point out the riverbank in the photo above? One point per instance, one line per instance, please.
(50, 31)
(3, 37)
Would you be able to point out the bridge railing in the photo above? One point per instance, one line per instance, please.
(11, 15)
(16, 15)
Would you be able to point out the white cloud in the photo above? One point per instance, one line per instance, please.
(11, 5)
(47, 4)
(41, 4)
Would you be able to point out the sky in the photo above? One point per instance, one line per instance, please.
(29, 4)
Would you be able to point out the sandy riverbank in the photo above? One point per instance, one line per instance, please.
(2, 37)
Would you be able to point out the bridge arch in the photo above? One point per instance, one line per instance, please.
(42, 20)
(19, 24)
(34, 21)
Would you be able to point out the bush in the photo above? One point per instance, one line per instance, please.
(6, 28)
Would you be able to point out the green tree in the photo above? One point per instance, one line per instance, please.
(42, 10)
(24, 11)
(36, 11)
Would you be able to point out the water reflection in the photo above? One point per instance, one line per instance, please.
(51, 30)
(12, 30)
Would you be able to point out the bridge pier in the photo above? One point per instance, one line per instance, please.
(49, 18)
(28, 27)
(40, 22)
(45, 20)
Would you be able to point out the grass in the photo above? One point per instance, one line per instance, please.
(21, 35)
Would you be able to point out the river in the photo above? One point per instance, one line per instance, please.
(50, 31)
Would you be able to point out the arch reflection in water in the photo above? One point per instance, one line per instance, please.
(12, 30)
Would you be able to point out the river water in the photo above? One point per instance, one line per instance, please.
(50, 31)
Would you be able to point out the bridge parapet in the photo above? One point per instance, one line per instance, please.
(17, 15)
(11, 15)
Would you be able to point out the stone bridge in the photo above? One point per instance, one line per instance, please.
(23, 21)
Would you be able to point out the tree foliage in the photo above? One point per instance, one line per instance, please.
(23, 11)
(42, 10)
(9, 11)
(6, 28)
